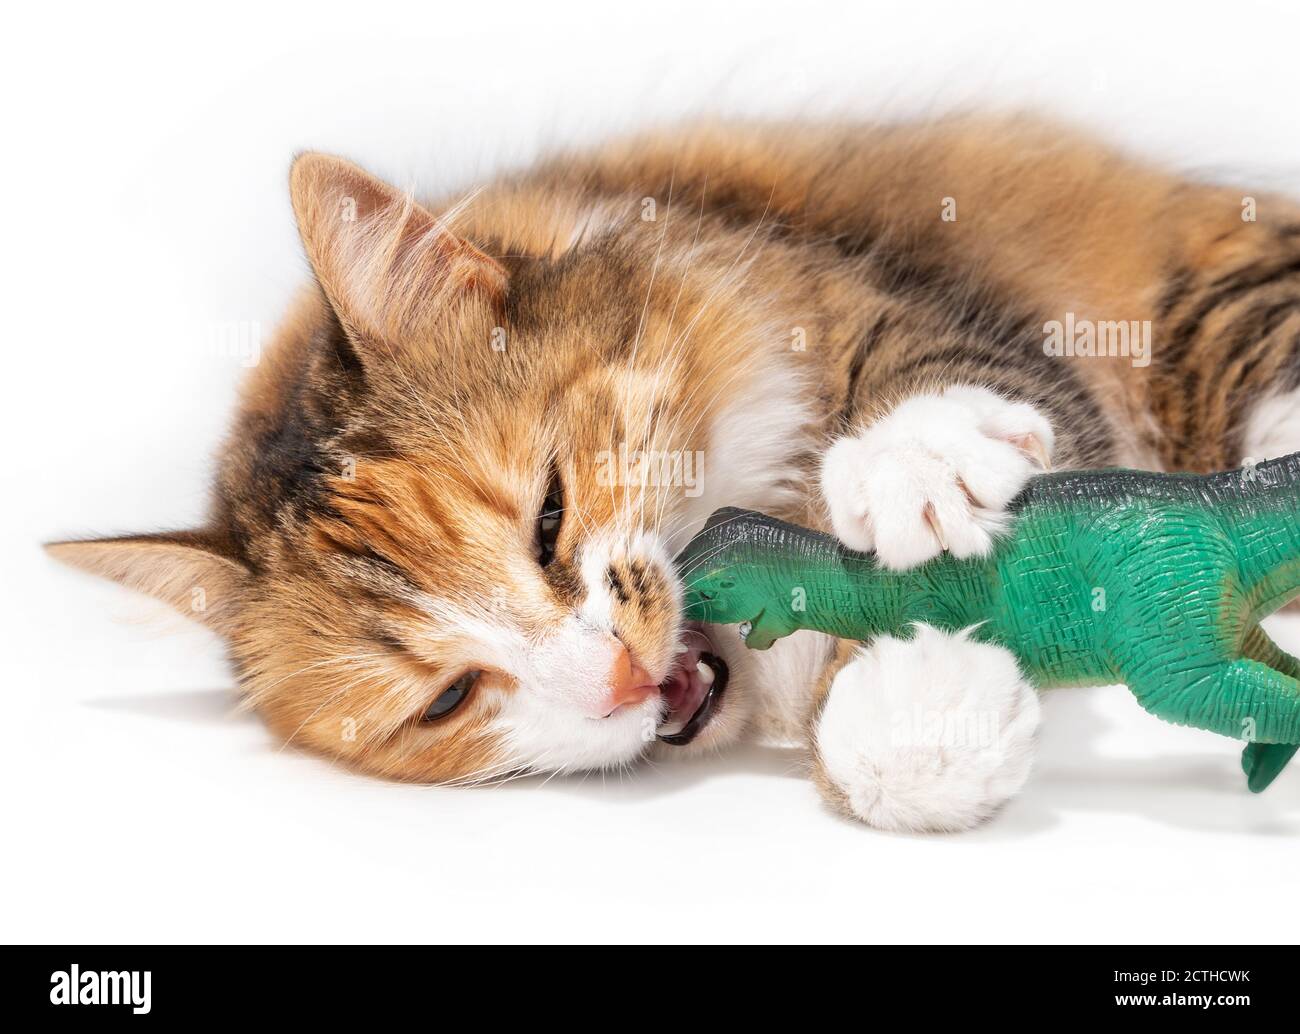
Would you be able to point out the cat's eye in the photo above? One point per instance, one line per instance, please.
(451, 697)
(550, 519)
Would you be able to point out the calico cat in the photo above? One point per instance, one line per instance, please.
(443, 526)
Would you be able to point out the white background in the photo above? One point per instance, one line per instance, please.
(144, 199)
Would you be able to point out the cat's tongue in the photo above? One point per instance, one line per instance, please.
(691, 692)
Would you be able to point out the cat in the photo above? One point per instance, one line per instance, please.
(441, 541)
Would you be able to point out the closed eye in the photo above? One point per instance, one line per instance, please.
(550, 520)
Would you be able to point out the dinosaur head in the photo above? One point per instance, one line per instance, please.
(721, 570)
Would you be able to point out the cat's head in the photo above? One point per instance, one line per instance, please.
(442, 540)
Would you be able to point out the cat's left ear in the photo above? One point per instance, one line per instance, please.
(196, 573)
(389, 267)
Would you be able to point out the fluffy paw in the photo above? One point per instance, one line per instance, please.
(935, 474)
(929, 734)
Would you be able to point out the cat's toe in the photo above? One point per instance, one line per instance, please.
(934, 475)
(929, 734)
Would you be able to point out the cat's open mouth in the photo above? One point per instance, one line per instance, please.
(693, 690)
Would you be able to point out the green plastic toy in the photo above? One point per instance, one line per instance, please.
(1157, 581)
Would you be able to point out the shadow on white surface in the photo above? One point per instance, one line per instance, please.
(198, 706)
(1196, 791)
(663, 778)
(646, 781)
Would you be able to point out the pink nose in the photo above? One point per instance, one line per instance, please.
(629, 683)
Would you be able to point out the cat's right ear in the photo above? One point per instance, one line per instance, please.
(195, 573)
(389, 267)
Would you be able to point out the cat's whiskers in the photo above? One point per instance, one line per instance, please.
(507, 769)
(333, 697)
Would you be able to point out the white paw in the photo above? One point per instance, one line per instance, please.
(930, 734)
(935, 474)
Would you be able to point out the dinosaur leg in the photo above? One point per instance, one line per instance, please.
(1270, 566)
(1244, 698)
(766, 629)
(1263, 762)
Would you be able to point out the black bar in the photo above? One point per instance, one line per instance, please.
(580, 984)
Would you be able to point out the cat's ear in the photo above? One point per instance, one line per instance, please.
(194, 572)
(388, 266)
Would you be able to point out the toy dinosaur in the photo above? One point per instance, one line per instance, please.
(1157, 581)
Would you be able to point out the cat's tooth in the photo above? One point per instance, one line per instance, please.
(706, 673)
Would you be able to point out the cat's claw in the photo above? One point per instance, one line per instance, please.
(935, 475)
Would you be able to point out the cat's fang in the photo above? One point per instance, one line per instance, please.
(692, 692)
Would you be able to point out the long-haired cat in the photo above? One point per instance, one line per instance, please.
(443, 527)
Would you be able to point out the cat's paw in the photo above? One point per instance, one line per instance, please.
(929, 734)
(935, 474)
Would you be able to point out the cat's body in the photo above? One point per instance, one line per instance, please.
(846, 323)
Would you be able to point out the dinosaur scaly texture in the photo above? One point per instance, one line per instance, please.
(1157, 581)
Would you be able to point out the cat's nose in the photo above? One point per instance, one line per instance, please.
(629, 683)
